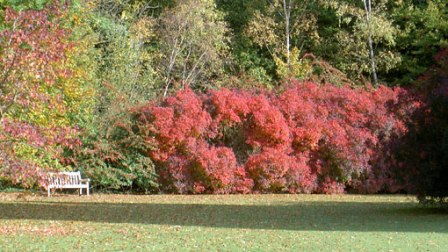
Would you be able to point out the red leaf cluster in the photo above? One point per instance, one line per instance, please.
(43, 140)
(32, 47)
(308, 138)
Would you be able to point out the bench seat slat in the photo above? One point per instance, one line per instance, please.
(69, 186)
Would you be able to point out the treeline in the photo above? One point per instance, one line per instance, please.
(74, 73)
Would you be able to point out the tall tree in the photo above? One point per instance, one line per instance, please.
(193, 43)
(287, 7)
(423, 29)
(283, 27)
(125, 31)
(368, 10)
(44, 91)
(350, 32)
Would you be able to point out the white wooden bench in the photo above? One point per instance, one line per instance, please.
(66, 180)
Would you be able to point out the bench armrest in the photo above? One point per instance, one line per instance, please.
(85, 180)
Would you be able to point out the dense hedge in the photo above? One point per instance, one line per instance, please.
(309, 138)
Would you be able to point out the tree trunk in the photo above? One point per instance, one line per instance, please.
(368, 9)
(287, 13)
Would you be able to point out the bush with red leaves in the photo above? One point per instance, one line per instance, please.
(309, 138)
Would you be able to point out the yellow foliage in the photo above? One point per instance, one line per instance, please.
(299, 68)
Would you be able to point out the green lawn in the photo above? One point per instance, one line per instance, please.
(224, 223)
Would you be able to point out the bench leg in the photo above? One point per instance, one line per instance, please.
(80, 191)
(49, 192)
(87, 190)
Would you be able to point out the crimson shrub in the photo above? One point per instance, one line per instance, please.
(308, 139)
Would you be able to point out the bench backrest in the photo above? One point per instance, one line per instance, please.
(64, 178)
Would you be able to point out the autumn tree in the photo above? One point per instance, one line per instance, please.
(44, 91)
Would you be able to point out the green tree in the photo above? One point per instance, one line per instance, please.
(125, 41)
(424, 32)
(20, 5)
(283, 27)
(346, 35)
(252, 63)
(193, 40)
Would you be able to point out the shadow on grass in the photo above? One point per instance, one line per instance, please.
(318, 216)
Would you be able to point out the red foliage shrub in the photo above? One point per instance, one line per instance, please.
(331, 186)
(309, 138)
(228, 107)
(214, 169)
(345, 130)
(176, 124)
(186, 162)
(266, 126)
(273, 170)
